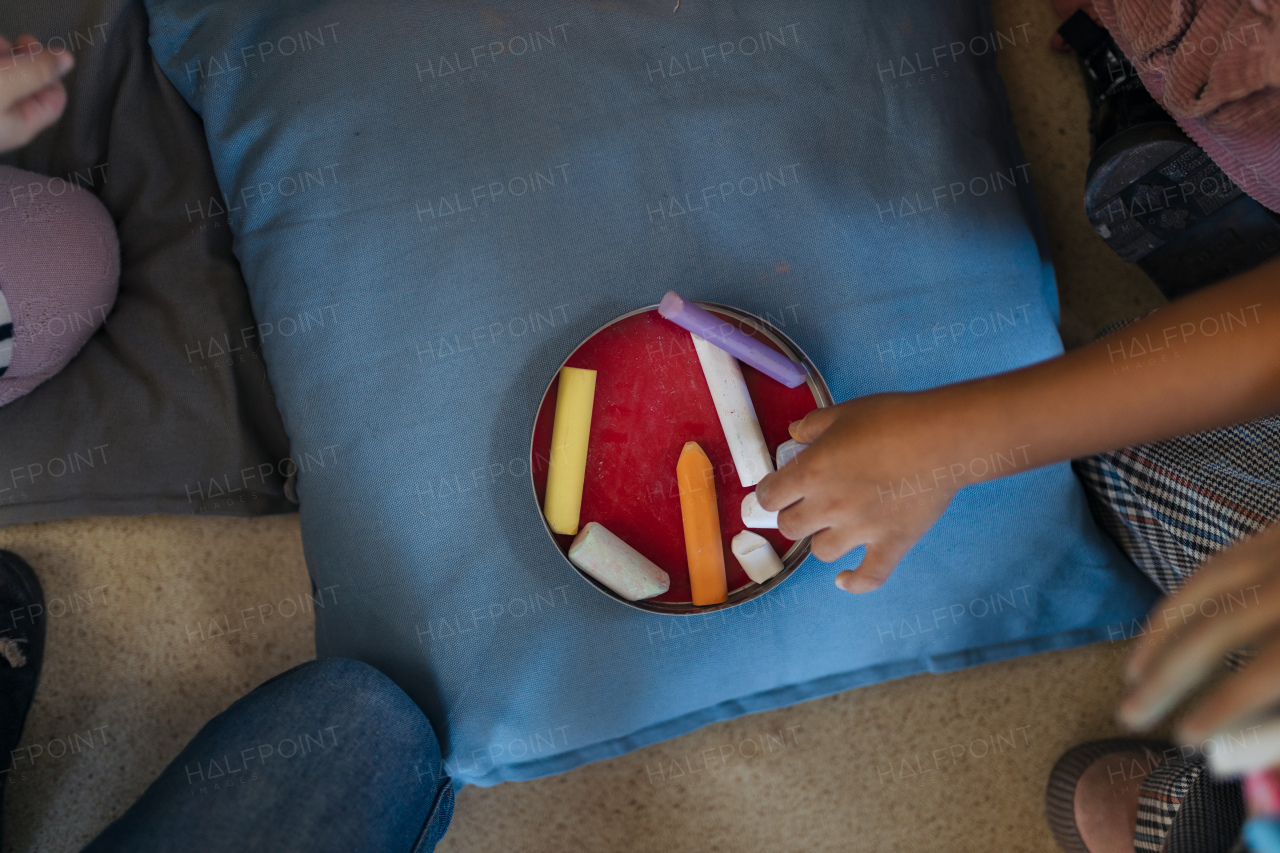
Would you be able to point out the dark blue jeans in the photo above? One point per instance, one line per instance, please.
(330, 755)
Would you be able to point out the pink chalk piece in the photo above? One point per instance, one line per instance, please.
(1262, 792)
(732, 340)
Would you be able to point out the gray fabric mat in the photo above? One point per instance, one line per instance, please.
(168, 407)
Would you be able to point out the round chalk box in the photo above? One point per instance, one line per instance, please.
(650, 398)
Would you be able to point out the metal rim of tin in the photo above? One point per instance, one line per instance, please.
(798, 551)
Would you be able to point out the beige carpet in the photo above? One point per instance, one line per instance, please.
(133, 665)
(956, 762)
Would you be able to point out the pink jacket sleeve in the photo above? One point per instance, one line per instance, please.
(1215, 66)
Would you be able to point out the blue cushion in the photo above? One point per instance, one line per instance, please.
(475, 190)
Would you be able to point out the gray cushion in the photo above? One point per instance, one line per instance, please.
(167, 408)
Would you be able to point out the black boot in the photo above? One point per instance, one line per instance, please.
(22, 626)
(1151, 193)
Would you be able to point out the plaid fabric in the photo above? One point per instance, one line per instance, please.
(6, 335)
(1170, 506)
(1181, 809)
(1163, 792)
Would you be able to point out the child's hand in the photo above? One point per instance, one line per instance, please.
(31, 93)
(1207, 620)
(883, 468)
(878, 473)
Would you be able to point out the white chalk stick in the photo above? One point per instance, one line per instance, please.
(756, 555)
(737, 414)
(754, 515)
(1263, 751)
(616, 564)
(789, 450)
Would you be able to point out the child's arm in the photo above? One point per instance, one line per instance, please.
(882, 468)
(31, 92)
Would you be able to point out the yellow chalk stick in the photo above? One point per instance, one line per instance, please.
(701, 516)
(569, 432)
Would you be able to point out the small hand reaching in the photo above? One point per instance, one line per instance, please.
(32, 96)
(846, 489)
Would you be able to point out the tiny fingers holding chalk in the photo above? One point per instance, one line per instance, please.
(781, 489)
(807, 429)
(802, 519)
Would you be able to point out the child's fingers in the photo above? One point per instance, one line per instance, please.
(781, 489)
(1241, 696)
(62, 58)
(832, 543)
(881, 559)
(43, 108)
(1233, 572)
(29, 69)
(802, 518)
(1194, 654)
(24, 120)
(807, 429)
(31, 94)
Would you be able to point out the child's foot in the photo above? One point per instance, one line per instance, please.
(22, 627)
(1107, 801)
(1092, 799)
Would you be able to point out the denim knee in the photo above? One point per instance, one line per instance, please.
(358, 691)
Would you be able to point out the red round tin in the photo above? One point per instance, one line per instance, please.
(650, 398)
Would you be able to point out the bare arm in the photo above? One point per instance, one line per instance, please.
(1205, 361)
(1208, 360)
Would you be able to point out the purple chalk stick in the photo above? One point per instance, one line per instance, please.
(731, 339)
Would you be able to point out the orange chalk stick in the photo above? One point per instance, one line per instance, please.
(701, 516)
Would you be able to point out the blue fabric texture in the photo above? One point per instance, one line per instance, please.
(1262, 834)
(475, 190)
(329, 756)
